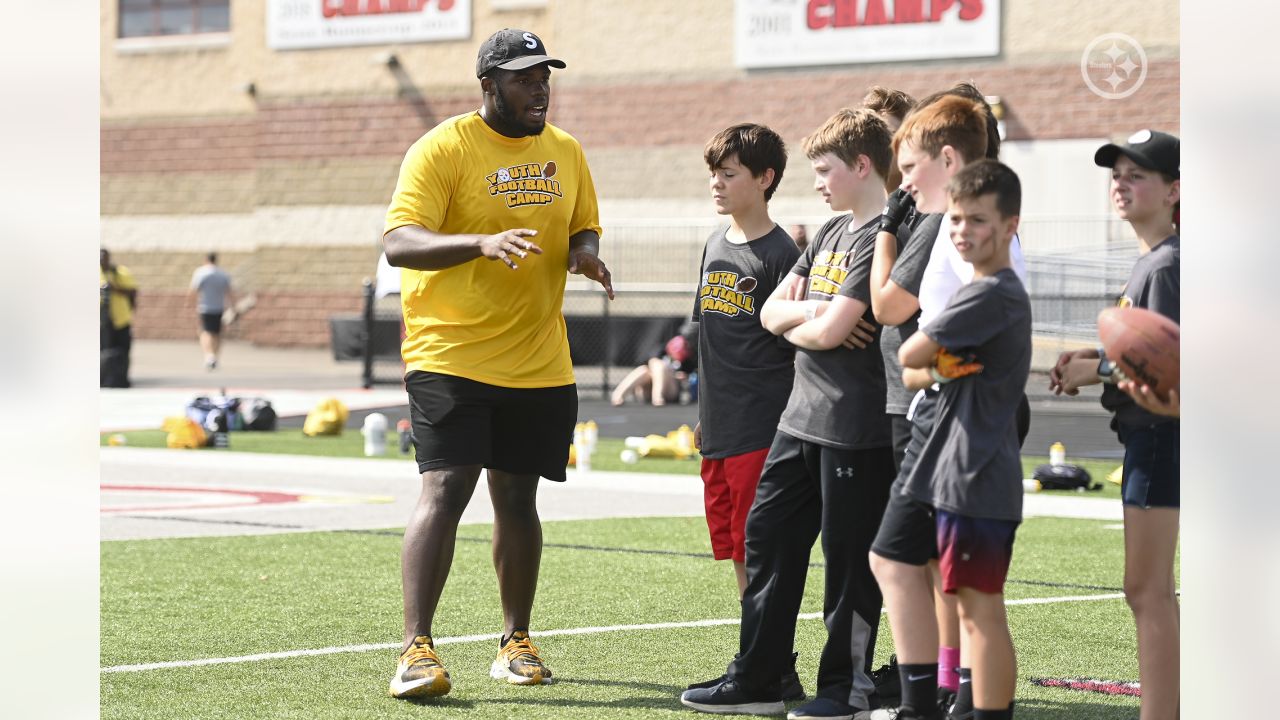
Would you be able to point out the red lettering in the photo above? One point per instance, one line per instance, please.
(938, 7)
(817, 19)
(846, 13)
(908, 11)
(970, 9)
(875, 13)
(351, 8)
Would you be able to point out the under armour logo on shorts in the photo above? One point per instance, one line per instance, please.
(844, 472)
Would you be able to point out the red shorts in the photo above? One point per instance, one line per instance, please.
(974, 552)
(728, 489)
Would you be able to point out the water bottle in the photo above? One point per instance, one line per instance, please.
(1057, 454)
(375, 434)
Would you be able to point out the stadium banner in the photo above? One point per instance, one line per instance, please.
(794, 33)
(297, 24)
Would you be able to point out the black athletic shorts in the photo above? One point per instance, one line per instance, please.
(908, 533)
(524, 431)
(1151, 477)
(211, 322)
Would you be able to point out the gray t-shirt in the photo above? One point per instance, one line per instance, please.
(915, 239)
(744, 371)
(971, 464)
(1154, 284)
(838, 396)
(211, 283)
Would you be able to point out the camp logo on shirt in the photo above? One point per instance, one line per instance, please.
(528, 184)
(829, 271)
(725, 293)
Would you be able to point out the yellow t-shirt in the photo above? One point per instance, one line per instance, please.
(121, 308)
(482, 320)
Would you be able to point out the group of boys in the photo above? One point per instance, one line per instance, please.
(911, 477)
(800, 413)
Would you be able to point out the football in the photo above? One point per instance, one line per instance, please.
(1144, 344)
(745, 285)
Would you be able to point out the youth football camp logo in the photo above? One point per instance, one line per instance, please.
(725, 293)
(529, 184)
(829, 272)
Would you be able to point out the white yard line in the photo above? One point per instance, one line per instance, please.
(542, 633)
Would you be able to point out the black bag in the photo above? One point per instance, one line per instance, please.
(259, 415)
(216, 416)
(1065, 477)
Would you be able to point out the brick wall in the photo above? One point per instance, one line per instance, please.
(347, 152)
(290, 182)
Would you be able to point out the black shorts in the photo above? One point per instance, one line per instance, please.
(908, 531)
(1151, 477)
(211, 323)
(523, 431)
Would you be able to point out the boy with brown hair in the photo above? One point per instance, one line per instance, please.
(969, 472)
(830, 465)
(745, 372)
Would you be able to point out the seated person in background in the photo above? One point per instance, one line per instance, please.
(659, 378)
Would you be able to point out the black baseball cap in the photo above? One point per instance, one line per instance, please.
(1151, 149)
(512, 49)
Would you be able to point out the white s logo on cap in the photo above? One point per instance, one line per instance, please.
(530, 41)
(1140, 137)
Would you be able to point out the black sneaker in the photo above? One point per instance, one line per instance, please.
(888, 683)
(727, 698)
(823, 708)
(792, 690)
(946, 700)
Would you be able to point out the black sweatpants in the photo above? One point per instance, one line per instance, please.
(806, 488)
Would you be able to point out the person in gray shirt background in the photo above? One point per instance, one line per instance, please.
(211, 289)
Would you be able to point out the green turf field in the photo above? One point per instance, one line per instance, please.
(606, 457)
(186, 599)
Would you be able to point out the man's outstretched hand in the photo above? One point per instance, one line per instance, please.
(505, 246)
(588, 265)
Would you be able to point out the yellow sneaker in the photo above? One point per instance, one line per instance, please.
(420, 673)
(518, 662)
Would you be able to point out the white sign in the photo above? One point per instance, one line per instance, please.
(294, 24)
(789, 33)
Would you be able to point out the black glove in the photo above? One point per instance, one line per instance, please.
(895, 211)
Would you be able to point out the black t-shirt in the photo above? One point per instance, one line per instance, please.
(915, 241)
(971, 464)
(745, 371)
(1155, 285)
(838, 396)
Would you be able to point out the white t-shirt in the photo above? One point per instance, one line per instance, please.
(947, 271)
(388, 279)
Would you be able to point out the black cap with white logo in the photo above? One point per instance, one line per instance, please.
(1150, 149)
(513, 50)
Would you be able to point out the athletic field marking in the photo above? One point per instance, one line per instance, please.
(543, 633)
